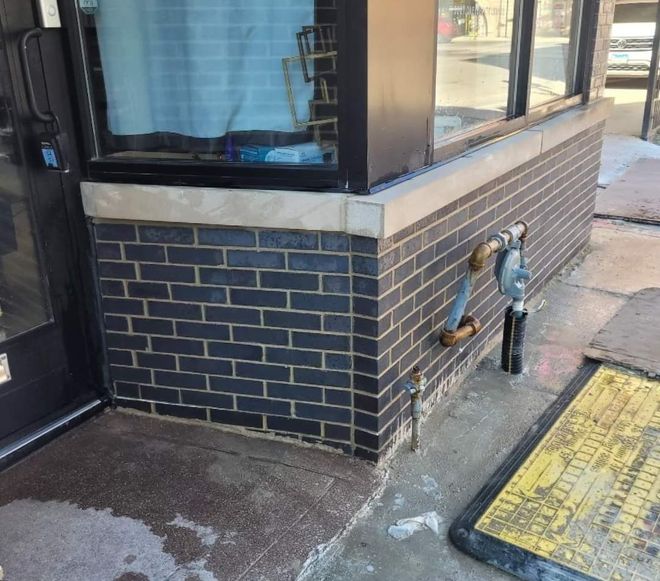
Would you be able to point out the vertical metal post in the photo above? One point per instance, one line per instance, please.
(522, 57)
(651, 122)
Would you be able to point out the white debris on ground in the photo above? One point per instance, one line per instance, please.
(619, 153)
(123, 547)
(406, 527)
(206, 535)
(399, 501)
(431, 486)
(2, 574)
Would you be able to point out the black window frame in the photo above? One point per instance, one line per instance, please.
(227, 174)
(381, 139)
(520, 114)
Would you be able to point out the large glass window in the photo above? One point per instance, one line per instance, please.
(497, 59)
(555, 45)
(251, 81)
(473, 66)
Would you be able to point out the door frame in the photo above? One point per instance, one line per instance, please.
(68, 262)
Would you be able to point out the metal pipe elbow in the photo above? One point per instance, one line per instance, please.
(494, 244)
(483, 252)
(470, 326)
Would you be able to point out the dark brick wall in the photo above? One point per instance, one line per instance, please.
(243, 327)
(409, 281)
(312, 334)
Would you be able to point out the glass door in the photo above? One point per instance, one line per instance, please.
(48, 370)
(23, 301)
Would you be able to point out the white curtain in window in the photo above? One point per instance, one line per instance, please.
(200, 68)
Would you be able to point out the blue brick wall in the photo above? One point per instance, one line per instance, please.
(407, 283)
(312, 335)
(235, 326)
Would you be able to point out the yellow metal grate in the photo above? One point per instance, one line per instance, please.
(588, 496)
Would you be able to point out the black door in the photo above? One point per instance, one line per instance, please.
(47, 368)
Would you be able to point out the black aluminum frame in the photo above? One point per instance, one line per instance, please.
(379, 140)
(64, 353)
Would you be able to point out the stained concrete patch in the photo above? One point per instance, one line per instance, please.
(206, 535)
(59, 541)
(635, 196)
(622, 259)
(133, 498)
(632, 337)
(466, 438)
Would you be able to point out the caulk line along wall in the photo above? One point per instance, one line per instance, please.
(311, 334)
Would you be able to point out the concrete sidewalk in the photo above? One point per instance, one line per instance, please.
(465, 440)
(133, 498)
(635, 196)
(620, 152)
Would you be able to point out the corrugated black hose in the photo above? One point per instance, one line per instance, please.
(513, 345)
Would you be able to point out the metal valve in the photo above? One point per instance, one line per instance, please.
(415, 386)
(512, 274)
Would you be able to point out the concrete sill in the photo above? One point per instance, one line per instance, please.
(376, 216)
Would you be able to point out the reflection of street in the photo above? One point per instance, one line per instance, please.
(22, 301)
(549, 72)
(472, 83)
(473, 74)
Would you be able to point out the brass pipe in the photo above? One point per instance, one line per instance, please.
(470, 326)
(415, 386)
(494, 244)
(483, 252)
(460, 326)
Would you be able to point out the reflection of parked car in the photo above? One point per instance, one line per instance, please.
(446, 28)
(461, 18)
(632, 40)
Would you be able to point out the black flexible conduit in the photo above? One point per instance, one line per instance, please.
(513, 345)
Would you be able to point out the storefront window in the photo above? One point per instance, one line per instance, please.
(250, 81)
(555, 46)
(497, 59)
(473, 66)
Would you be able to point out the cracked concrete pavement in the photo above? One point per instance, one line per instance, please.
(465, 439)
(127, 497)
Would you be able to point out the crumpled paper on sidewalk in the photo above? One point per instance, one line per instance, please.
(406, 527)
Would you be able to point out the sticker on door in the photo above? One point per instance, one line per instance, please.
(5, 374)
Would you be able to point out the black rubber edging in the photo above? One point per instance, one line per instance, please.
(504, 556)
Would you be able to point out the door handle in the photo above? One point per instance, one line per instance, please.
(47, 117)
(53, 144)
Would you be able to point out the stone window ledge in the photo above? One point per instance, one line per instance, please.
(375, 216)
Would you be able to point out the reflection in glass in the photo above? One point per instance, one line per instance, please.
(474, 53)
(554, 56)
(23, 305)
(233, 81)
